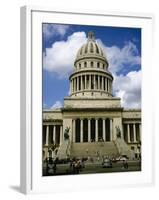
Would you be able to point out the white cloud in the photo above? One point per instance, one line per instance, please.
(119, 57)
(56, 105)
(44, 105)
(128, 88)
(60, 57)
(50, 30)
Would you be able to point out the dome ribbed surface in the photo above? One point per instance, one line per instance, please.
(90, 49)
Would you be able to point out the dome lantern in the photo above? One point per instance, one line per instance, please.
(91, 36)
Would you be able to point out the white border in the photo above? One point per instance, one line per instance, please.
(31, 101)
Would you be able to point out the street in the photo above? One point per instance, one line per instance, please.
(90, 168)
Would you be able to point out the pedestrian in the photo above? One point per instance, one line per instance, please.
(54, 167)
(125, 164)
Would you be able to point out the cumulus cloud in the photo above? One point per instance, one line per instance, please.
(50, 30)
(128, 88)
(119, 57)
(44, 105)
(56, 105)
(60, 57)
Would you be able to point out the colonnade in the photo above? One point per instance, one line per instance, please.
(132, 132)
(52, 134)
(92, 130)
(90, 82)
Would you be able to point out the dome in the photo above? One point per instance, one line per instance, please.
(90, 49)
(91, 77)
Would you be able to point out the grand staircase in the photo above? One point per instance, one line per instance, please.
(123, 148)
(64, 150)
(93, 149)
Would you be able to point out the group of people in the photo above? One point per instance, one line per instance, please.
(50, 166)
(77, 165)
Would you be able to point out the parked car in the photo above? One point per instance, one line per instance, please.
(107, 163)
(122, 158)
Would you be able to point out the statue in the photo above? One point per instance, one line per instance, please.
(118, 132)
(66, 133)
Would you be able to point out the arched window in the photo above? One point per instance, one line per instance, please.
(79, 65)
(91, 64)
(85, 64)
(98, 64)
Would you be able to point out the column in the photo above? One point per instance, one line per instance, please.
(81, 83)
(77, 83)
(54, 134)
(47, 135)
(111, 129)
(89, 130)
(85, 82)
(72, 86)
(128, 132)
(102, 83)
(73, 130)
(98, 82)
(61, 135)
(94, 76)
(104, 130)
(134, 131)
(140, 132)
(89, 82)
(109, 86)
(81, 134)
(106, 84)
(96, 131)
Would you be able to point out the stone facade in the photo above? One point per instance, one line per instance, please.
(91, 112)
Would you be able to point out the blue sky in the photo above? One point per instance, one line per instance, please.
(121, 45)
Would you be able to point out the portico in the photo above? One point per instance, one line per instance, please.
(92, 129)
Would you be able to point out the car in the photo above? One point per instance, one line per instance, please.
(107, 163)
(122, 158)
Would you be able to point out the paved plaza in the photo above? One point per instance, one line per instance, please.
(90, 168)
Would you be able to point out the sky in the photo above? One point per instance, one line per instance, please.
(121, 45)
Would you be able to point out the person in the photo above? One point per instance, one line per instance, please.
(82, 163)
(54, 166)
(125, 164)
(76, 167)
(87, 151)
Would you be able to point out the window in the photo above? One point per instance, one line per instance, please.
(98, 64)
(91, 64)
(85, 64)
